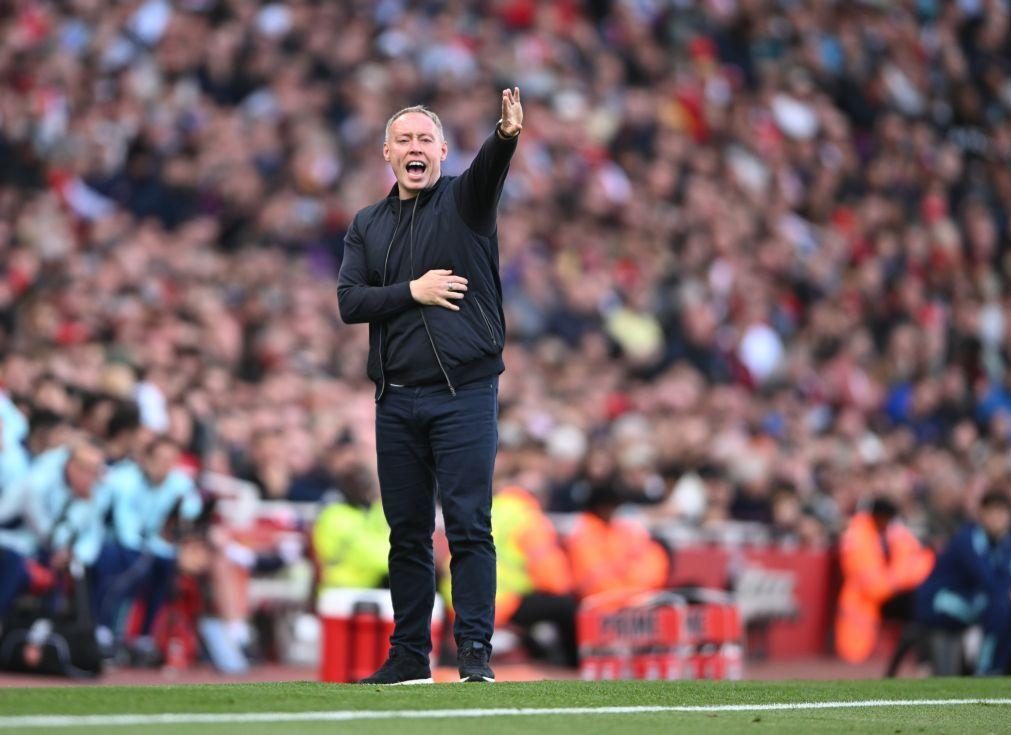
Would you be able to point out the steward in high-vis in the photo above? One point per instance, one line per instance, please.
(351, 542)
(610, 554)
(882, 562)
(534, 576)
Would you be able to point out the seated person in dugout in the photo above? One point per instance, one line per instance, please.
(146, 500)
(51, 520)
(971, 583)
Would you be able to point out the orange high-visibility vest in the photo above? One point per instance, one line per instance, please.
(530, 557)
(615, 555)
(869, 580)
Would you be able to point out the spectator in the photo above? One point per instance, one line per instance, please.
(122, 432)
(792, 523)
(740, 225)
(268, 467)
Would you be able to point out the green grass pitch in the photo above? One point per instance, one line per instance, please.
(226, 703)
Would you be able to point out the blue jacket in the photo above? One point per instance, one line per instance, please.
(14, 466)
(140, 509)
(15, 425)
(53, 517)
(14, 463)
(969, 572)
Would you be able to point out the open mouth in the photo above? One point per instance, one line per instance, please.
(416, 167)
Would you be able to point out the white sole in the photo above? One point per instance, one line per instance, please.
(412, 682)
(488, 679)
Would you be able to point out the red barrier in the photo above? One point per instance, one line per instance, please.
(357, 625)
(660, 636)
(800, 635)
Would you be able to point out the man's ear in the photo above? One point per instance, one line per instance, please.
(445, 150)
(386, 151)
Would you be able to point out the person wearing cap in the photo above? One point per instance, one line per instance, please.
(971, 583)
(882, 563)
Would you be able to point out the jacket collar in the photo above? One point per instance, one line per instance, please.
(425, 194)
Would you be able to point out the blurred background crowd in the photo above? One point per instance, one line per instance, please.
(754, 252)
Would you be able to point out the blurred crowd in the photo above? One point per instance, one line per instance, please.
(754, 252)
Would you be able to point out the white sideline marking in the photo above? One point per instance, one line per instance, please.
(181, 718)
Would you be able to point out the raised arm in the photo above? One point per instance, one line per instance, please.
(477, 190)
(359, 302)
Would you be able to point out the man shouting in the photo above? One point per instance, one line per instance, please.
(421, 267)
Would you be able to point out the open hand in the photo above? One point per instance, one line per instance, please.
(437, 287)
(511, 122)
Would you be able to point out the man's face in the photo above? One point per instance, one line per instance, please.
(415, 152)
(996, 520)
(84, 470)
(159, 462)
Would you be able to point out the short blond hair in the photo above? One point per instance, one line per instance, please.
(415, 108)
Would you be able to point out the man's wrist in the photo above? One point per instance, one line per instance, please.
(501, 132)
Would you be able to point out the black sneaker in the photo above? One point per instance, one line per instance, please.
(472, 658)
(400, 669)
(144, 653)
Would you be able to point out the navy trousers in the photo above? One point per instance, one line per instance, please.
(958, 613)
(14, 579)
(119, 576)
(430, 443)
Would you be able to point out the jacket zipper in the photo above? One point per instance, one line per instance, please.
(382, 373)
(424, 321)
(486, 322)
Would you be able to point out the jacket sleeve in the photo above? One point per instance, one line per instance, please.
(477, 190)
(912, 562)
(359, 302)
(13, 498)
(973, 550)
(89, 534)
(39, 517)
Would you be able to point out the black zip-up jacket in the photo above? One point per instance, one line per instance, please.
(450, 225)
